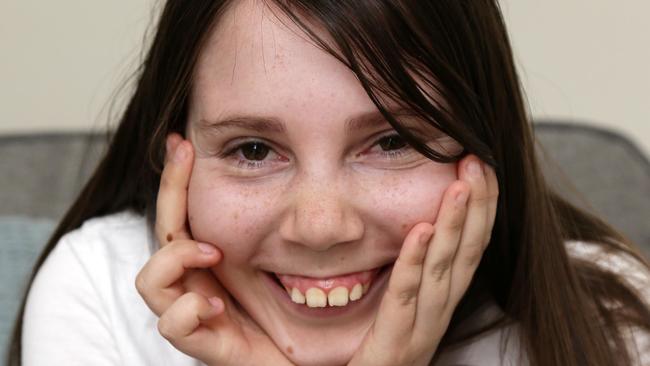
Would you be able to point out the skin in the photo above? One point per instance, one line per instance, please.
(326, 202)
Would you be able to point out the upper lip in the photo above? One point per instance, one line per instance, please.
(325, 276)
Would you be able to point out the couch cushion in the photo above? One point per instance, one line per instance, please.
(601, 171)
(21, 241)
(41, 174)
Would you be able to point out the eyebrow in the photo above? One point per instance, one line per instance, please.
(261, 124)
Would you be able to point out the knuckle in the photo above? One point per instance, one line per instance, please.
(482, 200)
(406, 296)
(166, 328)
(140, 283)
(193, 301)
(440, 270)
(456, 222)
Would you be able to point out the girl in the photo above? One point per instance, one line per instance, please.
(329, 183)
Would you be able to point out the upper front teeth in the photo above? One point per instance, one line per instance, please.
(333, 291)
(357, 292)
(296, 296)
(315, 298)
(339, 296)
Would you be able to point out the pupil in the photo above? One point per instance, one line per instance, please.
(391, 143)
(255, 151)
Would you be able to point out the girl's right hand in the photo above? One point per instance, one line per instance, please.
(196, 314)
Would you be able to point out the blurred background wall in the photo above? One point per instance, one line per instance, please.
(62, 61)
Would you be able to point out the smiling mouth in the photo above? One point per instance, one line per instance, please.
(328, 292)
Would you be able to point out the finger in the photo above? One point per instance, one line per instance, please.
(173, 139)
(186, 313)
(171, 205)
(158, 282)
(397, 310)
(203, 282)
(182, 325)
(474, 230)
(493, 199)
(436, 275)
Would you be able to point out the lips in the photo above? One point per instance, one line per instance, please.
(323, 291)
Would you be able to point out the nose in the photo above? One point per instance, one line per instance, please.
(321, 216)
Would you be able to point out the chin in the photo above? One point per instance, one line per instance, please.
(322, 353)
(306, 333)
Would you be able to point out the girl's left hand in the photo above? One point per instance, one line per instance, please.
(432, 273)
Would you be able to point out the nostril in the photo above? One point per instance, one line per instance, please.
(321, 225)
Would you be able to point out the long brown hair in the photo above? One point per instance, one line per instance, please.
(459, 49)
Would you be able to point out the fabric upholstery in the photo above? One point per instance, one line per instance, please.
(41, 174)
(601, 171)
(20, 243)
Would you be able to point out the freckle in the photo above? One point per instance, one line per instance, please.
(290, 350)
(169, 238)
(235, 216)
(404, 226)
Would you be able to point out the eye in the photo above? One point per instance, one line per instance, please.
(390, 146)
(391, 142)
(254, 150)
(252, 154)
(256, 154)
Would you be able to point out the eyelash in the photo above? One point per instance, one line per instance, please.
(257, 164)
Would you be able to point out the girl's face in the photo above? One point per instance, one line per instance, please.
(297, 174)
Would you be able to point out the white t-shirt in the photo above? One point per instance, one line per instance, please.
(83, 307)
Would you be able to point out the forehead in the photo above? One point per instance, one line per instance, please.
(256, 60)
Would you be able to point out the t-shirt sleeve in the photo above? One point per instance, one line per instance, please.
(65, 322)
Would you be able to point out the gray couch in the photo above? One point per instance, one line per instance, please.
(41, 174)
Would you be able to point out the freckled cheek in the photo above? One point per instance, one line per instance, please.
(217, 216)
(410, 200)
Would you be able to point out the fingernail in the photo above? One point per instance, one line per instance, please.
(461, 197)
(215, 302)
(474, 168)
(206, 248)
(181, 153)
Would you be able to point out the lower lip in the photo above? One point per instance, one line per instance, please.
(371, 297)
